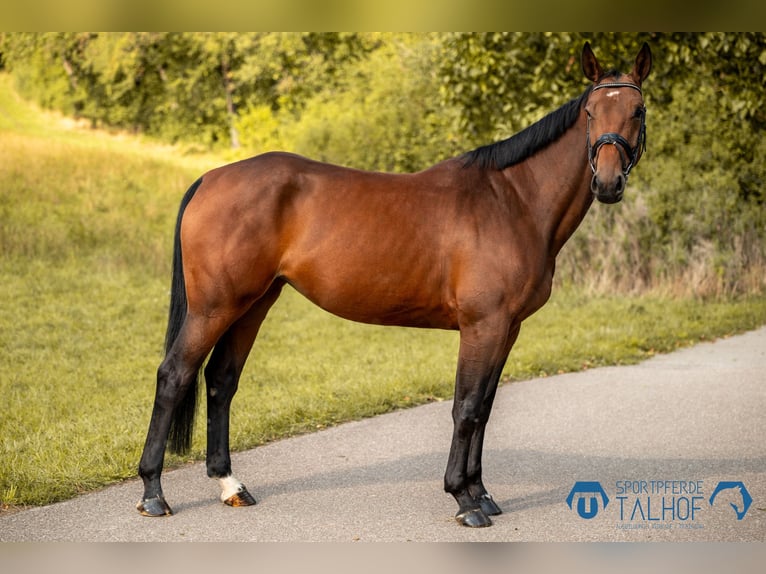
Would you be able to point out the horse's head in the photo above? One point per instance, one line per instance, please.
(616, 116)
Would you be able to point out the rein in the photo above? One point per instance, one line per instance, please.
(628, 155)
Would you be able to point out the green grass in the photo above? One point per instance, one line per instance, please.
(85, 234)
(80, 348)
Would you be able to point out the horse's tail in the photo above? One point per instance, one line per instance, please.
(182, 423)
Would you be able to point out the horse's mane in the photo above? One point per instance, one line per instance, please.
(530, 140)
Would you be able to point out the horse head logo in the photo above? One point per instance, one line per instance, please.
(739, 488)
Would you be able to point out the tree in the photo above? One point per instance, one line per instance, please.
(384, 114)
(364, 99)
(701, 204)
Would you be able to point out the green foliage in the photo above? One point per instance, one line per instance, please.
(705, 189)
(176, 85)
(374, 120)
(694, 218)
(503, 81)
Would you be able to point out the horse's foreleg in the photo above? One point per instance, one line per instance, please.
(222, 379)
(474, 471)
(476, 486)
(483, 351)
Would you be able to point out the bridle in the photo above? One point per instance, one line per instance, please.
(628, 155)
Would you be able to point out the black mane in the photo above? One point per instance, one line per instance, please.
(529, 141)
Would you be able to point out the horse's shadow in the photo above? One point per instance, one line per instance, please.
(554, 472)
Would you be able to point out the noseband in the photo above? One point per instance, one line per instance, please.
(628, 155)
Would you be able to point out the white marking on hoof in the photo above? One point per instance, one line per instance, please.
(229, 487)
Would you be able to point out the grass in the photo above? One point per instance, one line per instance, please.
(85, 231)
(81, 347)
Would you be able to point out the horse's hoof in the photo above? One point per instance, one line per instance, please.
(154, 507)
(489, 506)
(240, 498)
(474, 518)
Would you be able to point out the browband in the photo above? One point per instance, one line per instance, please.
(617, 85)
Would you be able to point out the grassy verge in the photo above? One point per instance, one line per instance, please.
(85, 230)
(80, 348)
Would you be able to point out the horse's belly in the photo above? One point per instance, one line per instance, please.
(373, 297)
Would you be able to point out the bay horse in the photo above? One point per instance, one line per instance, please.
(468, 244)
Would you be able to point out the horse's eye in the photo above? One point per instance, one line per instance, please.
(639, 113)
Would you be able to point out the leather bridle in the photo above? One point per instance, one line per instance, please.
(628, 155)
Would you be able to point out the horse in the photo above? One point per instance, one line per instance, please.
(468, 244)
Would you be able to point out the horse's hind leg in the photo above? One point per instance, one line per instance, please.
(222, 379)
(176, 377)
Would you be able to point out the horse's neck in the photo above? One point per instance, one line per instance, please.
(561, 195)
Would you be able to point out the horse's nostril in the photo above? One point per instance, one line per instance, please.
(594, 184)
(620, 187)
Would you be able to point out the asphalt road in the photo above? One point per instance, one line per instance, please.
(658, 438)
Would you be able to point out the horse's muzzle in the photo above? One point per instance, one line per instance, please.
(608, 192)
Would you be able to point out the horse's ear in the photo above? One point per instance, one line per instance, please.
(590, 66)
(643, 64)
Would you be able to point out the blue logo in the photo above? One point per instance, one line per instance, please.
(658, 504)
(740, 489)
(584, 489)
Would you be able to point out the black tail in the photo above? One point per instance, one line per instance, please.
(182, 424)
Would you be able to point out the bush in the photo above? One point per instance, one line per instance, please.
(386, 115)
(694, 220)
